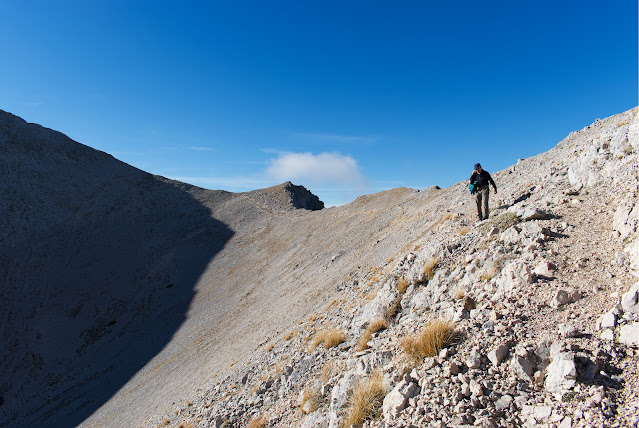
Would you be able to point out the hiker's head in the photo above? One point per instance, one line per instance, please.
(477, 167)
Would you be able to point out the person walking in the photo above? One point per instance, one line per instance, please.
(481, 179)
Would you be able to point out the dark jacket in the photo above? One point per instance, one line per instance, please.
(482, 179)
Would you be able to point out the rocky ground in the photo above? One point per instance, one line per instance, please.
(543, 294)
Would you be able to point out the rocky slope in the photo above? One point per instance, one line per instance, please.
(541, 294)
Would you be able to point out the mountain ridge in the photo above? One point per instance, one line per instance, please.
(267, 267)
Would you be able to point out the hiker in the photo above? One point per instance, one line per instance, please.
(480, 181)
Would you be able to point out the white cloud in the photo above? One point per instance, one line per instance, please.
(202, 148)
(308, 168)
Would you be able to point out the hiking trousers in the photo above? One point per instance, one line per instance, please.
(481, 197)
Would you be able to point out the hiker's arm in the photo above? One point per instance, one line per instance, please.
(490, 179)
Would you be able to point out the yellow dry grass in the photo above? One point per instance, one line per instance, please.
(328, 338)
(490, 272)
(402, 285)
(312, 398)
(373, 327)
(429, 268)
(435, 336)
(463, 231)
(258, 422)
(366, 400)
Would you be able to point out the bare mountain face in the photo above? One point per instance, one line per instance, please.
(98, 264)
(129, 299)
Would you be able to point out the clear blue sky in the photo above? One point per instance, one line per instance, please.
(345, 97)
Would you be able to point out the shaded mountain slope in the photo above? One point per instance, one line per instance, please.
(98, 261)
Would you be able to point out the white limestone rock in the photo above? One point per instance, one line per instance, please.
(564, 297)
(626, 219)
(339, 398)
(607, 320)
(630, 300)
(530, 213)
(376, 308)
(561, 373)
(521, 367)
(317, 419)
(497, 355)
(397, 400)
(629, 334)
(568, 331)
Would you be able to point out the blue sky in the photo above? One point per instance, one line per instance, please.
(343, 97)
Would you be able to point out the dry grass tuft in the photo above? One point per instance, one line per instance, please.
(374, 327)
(327, 371)
(490, 272)
(258, 422)
(328, 338)
(402, 285)
(290, 335)
(366, 400)
(429, 268)
(310, 400)
(392, 310)
(463, 231)
(435, 336)
(270, 347)
(185, 425)
(503, 221)
(460, 293)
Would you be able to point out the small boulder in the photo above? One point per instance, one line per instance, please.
(629, 334)
(521, 367)
(607, 320)
(397, 399)
(630, 300)
(497, 355)
(561, 373)
(563, 297)
(568, 331)
(544, 269)
(530, 213)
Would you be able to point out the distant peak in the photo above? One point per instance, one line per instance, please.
(303, 198)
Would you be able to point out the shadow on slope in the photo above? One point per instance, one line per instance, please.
(98, 261)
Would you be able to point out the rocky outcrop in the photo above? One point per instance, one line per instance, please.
(302, 198)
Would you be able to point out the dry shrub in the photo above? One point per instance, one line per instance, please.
(328, 338)
(366, 400)
(290, 335)
(374, 327)
(258, 422)
(460, 293)
(327, 371)
(402, 285)
(503, 221)
(185, 425)
(311, 397)
(429, 268)
(392, 310)
(435, 336)
(463, 231)
(490, 272)
(269, 348)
